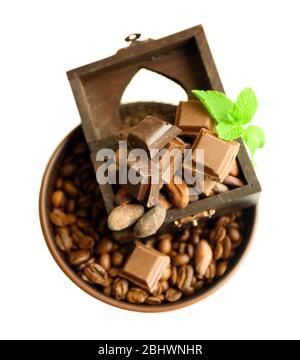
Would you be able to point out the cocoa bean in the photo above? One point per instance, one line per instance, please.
(123, 216)
(150, 222)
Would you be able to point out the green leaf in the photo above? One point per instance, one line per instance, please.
(229, 131)
(230, 119)
(255, 138)
(216, 103)
(245, 106)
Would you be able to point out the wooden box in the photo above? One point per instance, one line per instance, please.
(183, 57)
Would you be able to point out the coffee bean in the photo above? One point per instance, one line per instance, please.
(150, 222)
(203, 257)
(122, 216)
(211, 271)
(227, 247)
(220, 234)
(195, 238)
(80, 148)
(189, 291)
(70, 188)
(178, 192)
(104, 261)
(223, 221)
(86, 242)
(70, 206)
(221, 268)
(165, 245)
(84, 278)
(117, 259)
(185, 277)
(89, 231)
(84, 202)
(113, 272)
(57, 199)
(180, 259)
(68, 170)
(199, 284)
(182, 248)
(234, 234)
(157, 290)
(184, 236)
(166, 274)
(136, 296)
(83, 223)
(104, 246)
(218, 251)
(107, 290)
(190, 250)
(63, 240)
(79, 257)
(173, 278)
(59, 218)
(164, 285)
(85, 264)
(120, 288)
(59, 183)
(173, 294)
(97, 274)
(153, 300)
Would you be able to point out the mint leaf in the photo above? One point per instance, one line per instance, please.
(229, 131)
(255, 138)
(245, 106)
(216, 103)
(230, 119)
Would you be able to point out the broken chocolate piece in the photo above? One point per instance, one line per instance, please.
(152, 133)
(218, 154)
(145, 190)
(191, 116)
(141, 189)
(170, 159)
(145, 266)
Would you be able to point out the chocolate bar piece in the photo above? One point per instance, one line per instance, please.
(191, 116)
(168, 163)
(218, 154)
(140, 169)
(145, 266)
(152, 133)
(146, 190)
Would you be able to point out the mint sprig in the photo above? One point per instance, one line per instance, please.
(230, 117)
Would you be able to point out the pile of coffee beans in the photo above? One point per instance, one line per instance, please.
(199, 255)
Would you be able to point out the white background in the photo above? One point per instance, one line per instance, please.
(254, 43)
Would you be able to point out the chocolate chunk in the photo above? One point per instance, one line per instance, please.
(145, 266)
(147, 189)
(140, 169)
(191, 116)
(170, 159)
(152, 133)
(218, 154)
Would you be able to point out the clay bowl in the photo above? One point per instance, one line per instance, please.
(250, 216)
